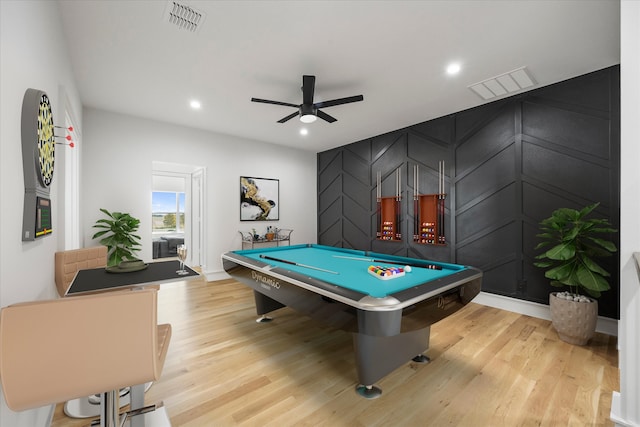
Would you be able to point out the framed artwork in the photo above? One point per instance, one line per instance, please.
(259, 199)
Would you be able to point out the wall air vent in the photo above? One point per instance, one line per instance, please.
(504, 84)
(183, 16)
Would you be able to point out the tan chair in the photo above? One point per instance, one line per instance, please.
(67, 264)
(55, 350)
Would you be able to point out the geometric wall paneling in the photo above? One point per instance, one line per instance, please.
(584, 131)
(486, 187)
(344, 196)
(331, 215)
(489, 247)
(588, 92)
(429, 210)
(493, 281)
(356, 189)
(487, 214)
(497, 133)
(331, 235)
(439, 131)
(568, 173)
(357, 167)
(355, 216)
(388, 151)
(426, 152)
(389, 210)
(331, 197)
(485, 178)
(361, 150)
(330, 167)
(513, 161)
(540, 199)
(537, 286)
(470, 121)
(354, 235)
(493, 252)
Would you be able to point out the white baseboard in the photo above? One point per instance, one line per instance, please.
(614, 415)
(216, 275)
(541, 311)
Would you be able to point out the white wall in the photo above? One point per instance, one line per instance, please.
(119, 151)
(32, 55)
(625, 408)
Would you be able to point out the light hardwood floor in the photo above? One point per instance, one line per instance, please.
(489, 368)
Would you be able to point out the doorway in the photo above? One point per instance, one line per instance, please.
(181, 220)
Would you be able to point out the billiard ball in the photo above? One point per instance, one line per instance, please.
(407, 268)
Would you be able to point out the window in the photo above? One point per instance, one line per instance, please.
(167, 212)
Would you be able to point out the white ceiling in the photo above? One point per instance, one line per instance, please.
(127, 59)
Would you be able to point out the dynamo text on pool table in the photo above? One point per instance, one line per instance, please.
(390, 319)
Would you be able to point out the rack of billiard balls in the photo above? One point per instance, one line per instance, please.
(387, 273)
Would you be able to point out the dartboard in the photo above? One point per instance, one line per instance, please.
(45, 155)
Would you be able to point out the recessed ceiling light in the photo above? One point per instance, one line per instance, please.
(453, 68)
(304, 131)
(195, 104)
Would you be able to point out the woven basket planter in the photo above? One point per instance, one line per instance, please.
(574, 321)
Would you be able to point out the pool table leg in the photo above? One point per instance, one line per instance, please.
(421, 358)
(368, 391)
(377, 356)
(265, 305)
(264, 319)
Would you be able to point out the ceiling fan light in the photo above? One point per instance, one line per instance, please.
(308, 118)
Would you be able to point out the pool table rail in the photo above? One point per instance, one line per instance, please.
(262, 271)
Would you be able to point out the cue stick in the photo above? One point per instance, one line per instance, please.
(416, 210)
(384, 261)
(286, 261)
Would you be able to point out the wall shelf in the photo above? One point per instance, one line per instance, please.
(389, 219)
(429, 219)
(428, 211)
(282, 237)
(389, 211)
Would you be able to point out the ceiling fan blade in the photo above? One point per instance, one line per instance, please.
(308, 87)
(289, 117)
(340, 101)
(266, 101)
(326, 117)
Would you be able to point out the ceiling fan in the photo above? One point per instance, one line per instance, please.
(308, 111)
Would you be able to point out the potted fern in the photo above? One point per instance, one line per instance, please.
(122, 242)
(573, 243)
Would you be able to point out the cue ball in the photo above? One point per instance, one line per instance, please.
(407, 268)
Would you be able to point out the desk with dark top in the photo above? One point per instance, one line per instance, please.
(98, 279)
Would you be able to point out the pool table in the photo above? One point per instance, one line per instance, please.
(389, 318)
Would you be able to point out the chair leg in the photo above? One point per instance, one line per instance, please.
(137, 403)
(110, 409)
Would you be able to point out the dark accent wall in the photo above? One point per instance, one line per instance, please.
(509, 164)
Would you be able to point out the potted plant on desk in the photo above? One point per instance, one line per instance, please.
(574, 242)
(122, 242)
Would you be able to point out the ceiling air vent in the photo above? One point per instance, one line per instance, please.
(183, 16)
(504, 84)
